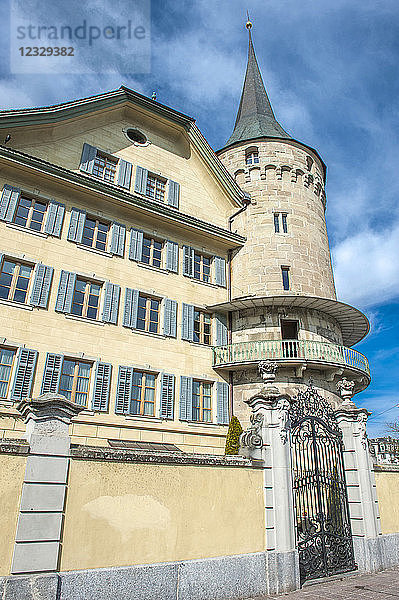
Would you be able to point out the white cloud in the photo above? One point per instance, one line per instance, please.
(367, 267)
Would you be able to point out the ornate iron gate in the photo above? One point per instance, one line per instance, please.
(321, 502)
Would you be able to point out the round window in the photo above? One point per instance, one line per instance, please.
(136, 136)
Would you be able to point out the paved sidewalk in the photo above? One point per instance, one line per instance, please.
(377, 586)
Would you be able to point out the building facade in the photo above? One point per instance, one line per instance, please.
(150, 289)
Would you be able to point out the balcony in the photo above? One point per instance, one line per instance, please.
(290, 352)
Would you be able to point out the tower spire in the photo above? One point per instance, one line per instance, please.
(255, 117)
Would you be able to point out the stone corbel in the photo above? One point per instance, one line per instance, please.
(334, 373)
(299, 370)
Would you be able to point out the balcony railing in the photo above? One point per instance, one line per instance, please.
(289, 350)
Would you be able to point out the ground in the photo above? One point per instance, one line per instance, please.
(376, 586)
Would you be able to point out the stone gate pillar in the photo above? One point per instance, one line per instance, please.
(267, 442)
(360, 480)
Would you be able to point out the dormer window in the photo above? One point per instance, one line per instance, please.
(251, 156)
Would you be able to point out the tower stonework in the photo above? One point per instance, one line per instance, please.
(283, 306)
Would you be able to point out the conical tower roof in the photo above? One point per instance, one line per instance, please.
(255, 117)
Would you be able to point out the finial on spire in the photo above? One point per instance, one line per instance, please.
(248, 24)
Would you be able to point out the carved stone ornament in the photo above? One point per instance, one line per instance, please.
(362, 420)
(346, 389)
(267, 370)
(251, 438)
(283, 406)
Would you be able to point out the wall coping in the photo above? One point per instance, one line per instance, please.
(14, 446)
(390, 468)
(98, 453)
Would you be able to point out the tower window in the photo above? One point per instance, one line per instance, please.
(285, 271)
(252, 156)
(280, 226)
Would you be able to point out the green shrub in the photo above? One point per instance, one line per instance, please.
(233, 436)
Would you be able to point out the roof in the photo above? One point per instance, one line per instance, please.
(25, 117)
(255, 117)
(353, 323)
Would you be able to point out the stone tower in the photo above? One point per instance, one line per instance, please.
(283, 305)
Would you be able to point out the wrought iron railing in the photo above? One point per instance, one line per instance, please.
(244, 352)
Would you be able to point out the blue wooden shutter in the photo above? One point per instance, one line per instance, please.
(170, 318)
(118, 235)
(188, 261)
(123, 390)
(55, 217)
(124, 174)
(87, 159)
(24, 373)
(41, 285)
(65, 292)
(186, 398)
(8, 202)
(76, 224)
(131, 307)
(136, 244)
(52, 373)
(172, 256)
(111, 302)
(220, 271)
(187, 328)
(102, 382)
(167, 396)
(221, 330)
(140, 185)
(222, 391)
(173, 194)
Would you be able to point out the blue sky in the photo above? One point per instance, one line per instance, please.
(331, 71)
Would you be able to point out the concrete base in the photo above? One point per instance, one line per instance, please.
(283, 572)
(235, 577)
(376, 554)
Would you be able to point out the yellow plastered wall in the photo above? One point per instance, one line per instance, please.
(12, 469)
(387, 483)
(122, 514)
(48, 331)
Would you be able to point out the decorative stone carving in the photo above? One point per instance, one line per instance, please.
(283, 406)
(267, 370)
(346, 389)
(252, 438)
(48, 415)
(362, 420)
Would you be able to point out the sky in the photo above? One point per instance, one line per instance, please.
(331, 71)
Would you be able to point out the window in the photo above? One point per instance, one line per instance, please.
(75, 381)
(95, 233)
(104, 167)
(202, 401)
(30, 213)
(152, 252)
(14, 280)
(6, 363)
(285, 271)
(86, 299)
(136, 136)
(252, 156)
(148, 314)
(284, 226)
(143, 394)
(155, 188)
(202, 327)
(202, 267)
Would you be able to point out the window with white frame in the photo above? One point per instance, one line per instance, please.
(280, 223)
(251, 156)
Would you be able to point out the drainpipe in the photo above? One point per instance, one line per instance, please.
(247, 200)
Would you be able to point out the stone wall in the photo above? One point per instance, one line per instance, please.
(288, 179)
